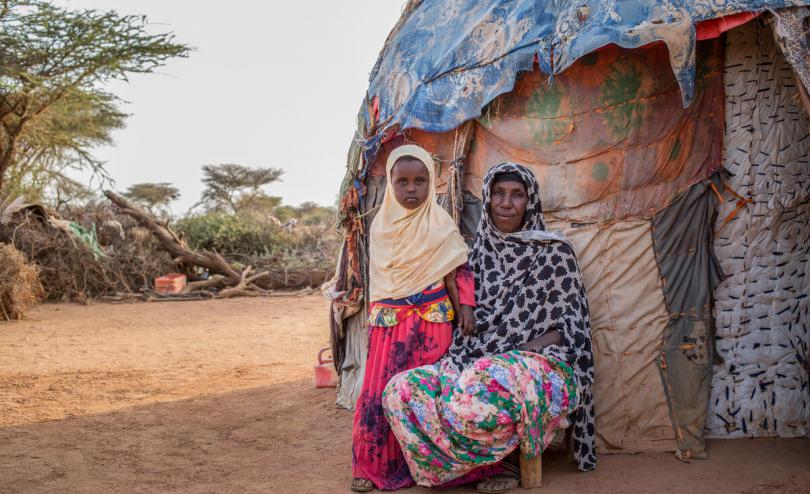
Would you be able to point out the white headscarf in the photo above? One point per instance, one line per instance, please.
(411, 249)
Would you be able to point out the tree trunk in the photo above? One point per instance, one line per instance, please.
(5, 163)
(9, 149)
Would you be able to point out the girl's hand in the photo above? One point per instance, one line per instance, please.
(466, 320)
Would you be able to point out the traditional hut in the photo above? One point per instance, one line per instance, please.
(671, 142)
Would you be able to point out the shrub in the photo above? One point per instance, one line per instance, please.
(70, 270)
(20, 289)
(229, 234)
(302, 255)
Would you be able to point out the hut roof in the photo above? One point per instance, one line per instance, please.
(446, 59)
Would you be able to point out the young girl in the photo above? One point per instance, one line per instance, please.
(415, 293)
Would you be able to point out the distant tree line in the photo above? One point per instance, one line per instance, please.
(235, 213)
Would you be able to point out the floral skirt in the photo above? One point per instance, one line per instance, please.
(449, 424)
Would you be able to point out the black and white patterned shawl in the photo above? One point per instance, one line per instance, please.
(526, 284)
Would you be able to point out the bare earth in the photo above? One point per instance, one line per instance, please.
(217, 396)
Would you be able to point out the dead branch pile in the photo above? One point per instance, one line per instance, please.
(307, 260)
(133, 248)
(20, 289)
(70, 271)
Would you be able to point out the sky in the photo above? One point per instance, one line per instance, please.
(270, 83)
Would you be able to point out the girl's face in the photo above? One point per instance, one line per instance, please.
(507, 205)
(410, 181)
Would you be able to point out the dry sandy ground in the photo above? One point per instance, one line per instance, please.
(216, 396)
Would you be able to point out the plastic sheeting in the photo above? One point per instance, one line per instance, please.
(609, 140)
(354, 360)
(447, 59)
(762, 318)
(628, 319)
(792, 31)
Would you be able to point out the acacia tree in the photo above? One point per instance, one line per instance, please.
(236, 188)
(60, 140)
(154, 196)
(49, 55)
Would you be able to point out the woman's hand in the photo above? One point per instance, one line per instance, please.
(550, 338)
(466, 320)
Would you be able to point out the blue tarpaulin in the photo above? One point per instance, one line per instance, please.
(448, 58)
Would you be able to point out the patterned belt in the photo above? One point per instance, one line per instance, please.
(423, 298)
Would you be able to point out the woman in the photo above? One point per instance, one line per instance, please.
(527, 370)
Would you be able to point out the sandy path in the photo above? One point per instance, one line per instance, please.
(216, 397)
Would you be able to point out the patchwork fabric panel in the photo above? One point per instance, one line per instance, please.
(763, 244)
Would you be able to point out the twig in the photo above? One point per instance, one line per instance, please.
(216, 281)
(244, 286)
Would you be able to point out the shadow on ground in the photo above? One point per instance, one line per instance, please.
(292, 438)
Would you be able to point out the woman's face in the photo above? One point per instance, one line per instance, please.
(507, 205)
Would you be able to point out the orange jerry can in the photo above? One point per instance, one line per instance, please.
(325, 375)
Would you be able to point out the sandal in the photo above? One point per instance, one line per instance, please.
(362, 485)
(503, 482)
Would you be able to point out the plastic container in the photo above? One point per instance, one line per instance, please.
(325, 375)
(171, 283)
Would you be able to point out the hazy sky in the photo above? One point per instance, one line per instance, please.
(270, 83)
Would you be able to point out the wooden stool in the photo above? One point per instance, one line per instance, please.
(531, 469)
(531, 472)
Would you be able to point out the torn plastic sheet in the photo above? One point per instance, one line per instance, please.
(447, 59)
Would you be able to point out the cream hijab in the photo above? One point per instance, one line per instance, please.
(411, 249)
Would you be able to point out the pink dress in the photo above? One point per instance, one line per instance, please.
(403, 334)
